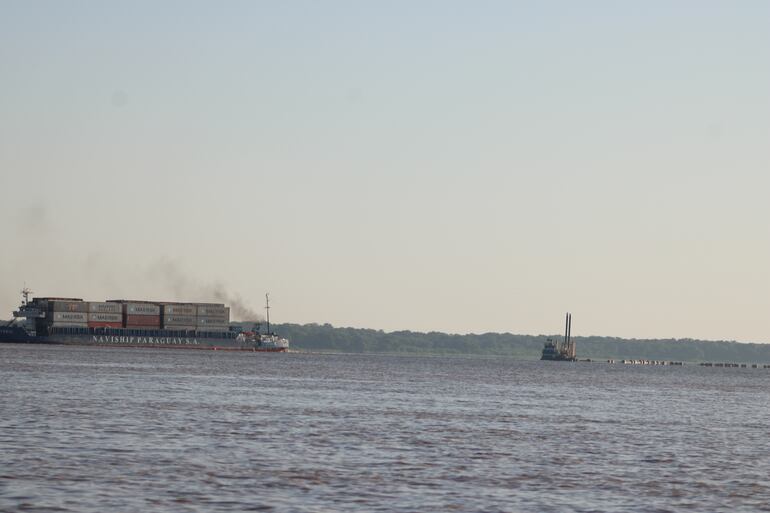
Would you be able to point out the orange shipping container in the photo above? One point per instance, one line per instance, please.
(152, 321)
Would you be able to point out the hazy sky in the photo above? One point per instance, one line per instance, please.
(426, 165)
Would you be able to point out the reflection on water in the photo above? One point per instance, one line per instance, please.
(110, 429)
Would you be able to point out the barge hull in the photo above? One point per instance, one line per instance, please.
(17, 335)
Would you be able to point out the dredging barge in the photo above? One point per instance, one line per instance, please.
(135, 323)
(561, 351)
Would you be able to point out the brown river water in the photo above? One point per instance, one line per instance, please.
(127, 430)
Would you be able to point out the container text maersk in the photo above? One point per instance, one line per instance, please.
(116, 339)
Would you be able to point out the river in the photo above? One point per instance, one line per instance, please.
(94, 429)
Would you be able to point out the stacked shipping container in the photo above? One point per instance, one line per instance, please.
(213, 311)
(105, 315)
(141, 315)
(67, 313)
(76, 313)
(213, 317)
(179, 317)
(192, 316)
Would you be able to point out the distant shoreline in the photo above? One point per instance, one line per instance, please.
(328, 339)
(325, 338)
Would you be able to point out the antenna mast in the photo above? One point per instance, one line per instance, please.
(267, 309)
(565, 346)
(25, 292)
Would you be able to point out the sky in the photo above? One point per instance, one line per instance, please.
(464, 167)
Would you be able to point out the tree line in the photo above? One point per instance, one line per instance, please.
(325, 337)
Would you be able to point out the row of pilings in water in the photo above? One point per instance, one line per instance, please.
(702, 364)
(646, 362)
(736, 365)
(638, 362)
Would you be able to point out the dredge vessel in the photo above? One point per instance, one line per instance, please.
(134, 323)
(563, 351)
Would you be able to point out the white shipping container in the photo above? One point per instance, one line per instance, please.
(213, 321)
(77, 317)
(69, 325)
(179, 310)
(142, 309)
(106, 308)
(214, 311)
(180, 327)
(105, 317)
(179, 319)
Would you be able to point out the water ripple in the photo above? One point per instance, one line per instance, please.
(95, 429)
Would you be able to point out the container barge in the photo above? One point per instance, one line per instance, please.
(134, 323)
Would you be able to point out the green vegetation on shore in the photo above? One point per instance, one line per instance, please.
(325, 337)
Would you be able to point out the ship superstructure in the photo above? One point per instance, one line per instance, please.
(65, 320)
(265, 341)
(561, 350)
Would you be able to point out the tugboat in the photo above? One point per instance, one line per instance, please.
(561, 351)
(268, 341)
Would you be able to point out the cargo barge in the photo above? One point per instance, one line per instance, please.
(134, 323)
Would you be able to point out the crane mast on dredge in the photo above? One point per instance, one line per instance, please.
(563, 351)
